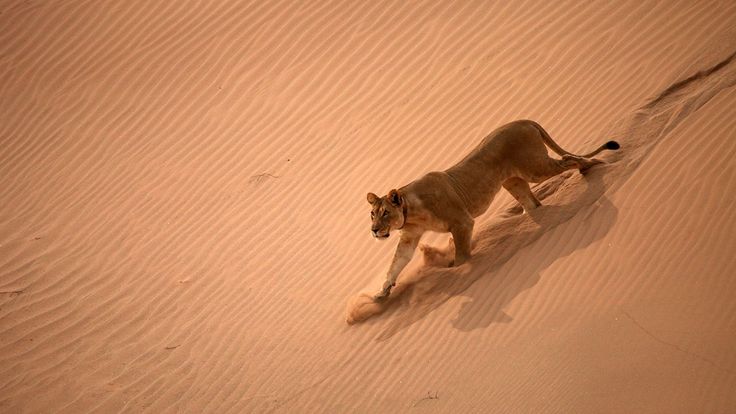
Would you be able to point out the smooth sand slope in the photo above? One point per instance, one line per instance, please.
(183, 224)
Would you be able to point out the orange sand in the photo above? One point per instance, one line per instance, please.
(183, 224)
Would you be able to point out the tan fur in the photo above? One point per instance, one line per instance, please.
(448, 201)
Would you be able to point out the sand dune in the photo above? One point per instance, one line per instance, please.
(183, 225)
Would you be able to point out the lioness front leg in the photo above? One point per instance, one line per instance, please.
(404, 252)
(462, 233)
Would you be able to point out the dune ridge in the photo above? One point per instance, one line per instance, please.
(495, 244)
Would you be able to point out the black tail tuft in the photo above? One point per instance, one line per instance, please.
(612, 145)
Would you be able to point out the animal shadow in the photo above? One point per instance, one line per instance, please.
(421, 292)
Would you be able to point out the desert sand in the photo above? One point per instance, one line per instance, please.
(183, 222)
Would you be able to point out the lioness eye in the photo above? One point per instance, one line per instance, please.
(373, 214)
(385, 213)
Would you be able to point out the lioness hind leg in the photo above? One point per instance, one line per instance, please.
(583, 163)
(549, 167)
(522, 193)
(438, 256)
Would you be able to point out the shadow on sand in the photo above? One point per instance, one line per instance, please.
(424, 290)
(421, 292)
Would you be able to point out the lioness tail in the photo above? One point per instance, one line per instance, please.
(610, 145)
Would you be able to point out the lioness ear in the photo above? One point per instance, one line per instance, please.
(394, 198)
(372, 198)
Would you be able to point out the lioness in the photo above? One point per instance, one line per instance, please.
(512, 156)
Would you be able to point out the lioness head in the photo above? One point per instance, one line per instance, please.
(387, 213)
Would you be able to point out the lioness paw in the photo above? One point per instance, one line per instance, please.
(588, 164)
(383, 294)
